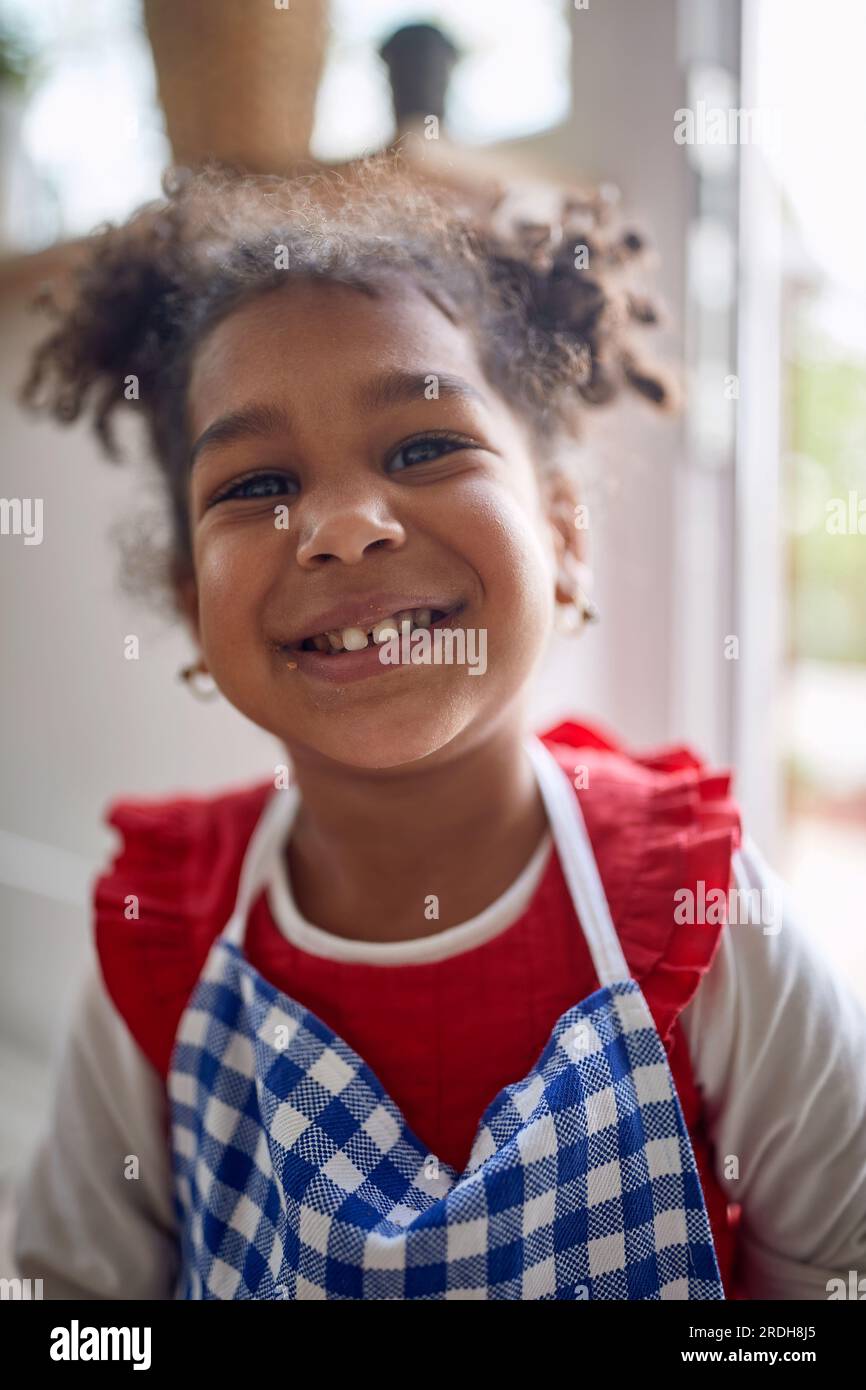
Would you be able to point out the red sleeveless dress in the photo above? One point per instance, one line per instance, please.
(658, 823)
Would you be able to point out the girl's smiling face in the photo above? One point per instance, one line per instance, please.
(314, 400)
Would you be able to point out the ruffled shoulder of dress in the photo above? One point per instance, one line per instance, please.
(663, 826)
(166, 894)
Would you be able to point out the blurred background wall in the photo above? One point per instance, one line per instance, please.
(733, 606)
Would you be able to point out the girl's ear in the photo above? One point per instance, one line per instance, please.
(566, 517)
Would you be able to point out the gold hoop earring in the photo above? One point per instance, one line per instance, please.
(199, 680)
(580, 611)
(588, 608)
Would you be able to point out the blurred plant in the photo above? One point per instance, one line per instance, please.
(18, 62)
(828, 425)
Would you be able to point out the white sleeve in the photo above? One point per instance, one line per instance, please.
(84, 1227)
(778, 1048)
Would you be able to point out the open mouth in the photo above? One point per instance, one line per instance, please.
(355, 639)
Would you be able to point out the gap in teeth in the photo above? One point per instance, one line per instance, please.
(356, 638)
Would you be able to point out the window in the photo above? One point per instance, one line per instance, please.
(509, 47)
(84, 132)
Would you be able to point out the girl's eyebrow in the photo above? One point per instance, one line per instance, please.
(397, 387)
(250, 422)
(391, 388)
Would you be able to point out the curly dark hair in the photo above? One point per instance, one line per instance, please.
(552, 326)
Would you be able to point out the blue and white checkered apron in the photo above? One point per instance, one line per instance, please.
(297, 1177)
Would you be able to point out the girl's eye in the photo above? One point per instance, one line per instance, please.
(255, 486)
(425, 450)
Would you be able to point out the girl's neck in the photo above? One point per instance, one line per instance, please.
(374, 859)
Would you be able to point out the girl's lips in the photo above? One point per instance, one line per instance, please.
(339, 668)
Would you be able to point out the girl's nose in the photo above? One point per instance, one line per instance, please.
(346, 532)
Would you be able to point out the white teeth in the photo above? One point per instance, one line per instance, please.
(355, 639)
(385, 629)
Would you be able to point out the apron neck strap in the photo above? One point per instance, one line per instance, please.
(579, 865)
(270, 834)
(569, 833)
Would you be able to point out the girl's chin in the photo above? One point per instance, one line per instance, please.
(380, 749)
(385, 737)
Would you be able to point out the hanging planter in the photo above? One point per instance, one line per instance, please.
(238, 78)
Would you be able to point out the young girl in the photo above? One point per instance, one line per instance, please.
(444, 1012)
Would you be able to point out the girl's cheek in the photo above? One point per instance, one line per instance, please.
(506, 531)
(234, 573)
(503, 545)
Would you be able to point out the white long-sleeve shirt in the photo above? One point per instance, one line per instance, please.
(777, 1045)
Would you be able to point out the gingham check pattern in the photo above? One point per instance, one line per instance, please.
(296, 1176)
